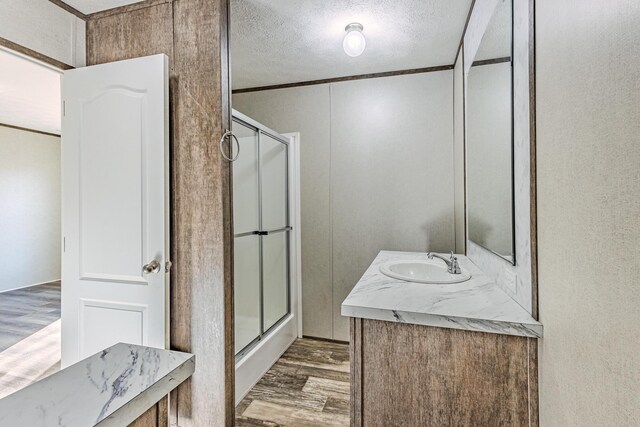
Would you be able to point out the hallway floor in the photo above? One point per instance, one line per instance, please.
(308, 386)
(29, 335)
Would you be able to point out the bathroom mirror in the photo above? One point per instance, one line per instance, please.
(489, 142)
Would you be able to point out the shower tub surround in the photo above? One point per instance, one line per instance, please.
(477, 304)
(111, 388)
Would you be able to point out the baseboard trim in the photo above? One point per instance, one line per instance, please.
(30, 286)
(325, 339)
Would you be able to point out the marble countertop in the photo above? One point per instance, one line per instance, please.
(476, 305)
(110, 388)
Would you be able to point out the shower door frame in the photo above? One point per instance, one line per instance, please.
(273, 341)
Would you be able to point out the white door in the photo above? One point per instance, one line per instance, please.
(115, 139)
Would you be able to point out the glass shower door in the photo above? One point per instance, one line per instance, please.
(246, 218)
(275, 223)
(261, 227)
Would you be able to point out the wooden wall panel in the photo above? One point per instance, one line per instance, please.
(202, 236)
(193, 34)
(418, 375)
(142, 32)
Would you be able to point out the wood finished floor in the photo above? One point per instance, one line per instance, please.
(308, 386)
(25, 311)
(29, 335)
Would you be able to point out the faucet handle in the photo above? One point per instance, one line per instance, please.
(454, 267)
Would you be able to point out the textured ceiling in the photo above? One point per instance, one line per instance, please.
(29, 93)
(93, 6)
(285, 41)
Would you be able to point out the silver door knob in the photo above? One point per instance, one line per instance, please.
(152, 267)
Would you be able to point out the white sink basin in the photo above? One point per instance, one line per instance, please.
(427, 271)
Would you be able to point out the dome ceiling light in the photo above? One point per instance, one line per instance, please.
(354, 41)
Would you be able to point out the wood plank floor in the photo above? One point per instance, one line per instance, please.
(29, 335)
(308, 386)
(25, 311)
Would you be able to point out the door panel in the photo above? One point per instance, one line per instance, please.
(111, 239)
(246, 290)
(275, 277)
(114, 205)
(245, 181)
(127, 321)
(273, 163)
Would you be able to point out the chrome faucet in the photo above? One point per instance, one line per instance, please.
(452, 263)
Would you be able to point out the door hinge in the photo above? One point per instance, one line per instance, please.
(64, 108)
(64, 244)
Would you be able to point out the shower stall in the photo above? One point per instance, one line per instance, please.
(266, 247)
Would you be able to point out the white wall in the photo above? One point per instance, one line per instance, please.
(30, 214)
(376, 173)
(588, 141)
(44, 27)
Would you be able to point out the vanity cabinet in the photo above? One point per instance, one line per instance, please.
(156, 416)
(414, 375)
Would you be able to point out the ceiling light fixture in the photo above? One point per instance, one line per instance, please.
(354, 42)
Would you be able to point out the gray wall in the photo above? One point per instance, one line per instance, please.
(588, 116)
(30, 214)
(377, 173)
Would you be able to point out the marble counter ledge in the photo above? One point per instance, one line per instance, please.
(475, 305)
(110, 388)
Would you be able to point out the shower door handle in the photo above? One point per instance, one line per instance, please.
(265, 233)
(231, 136)
(268, 232)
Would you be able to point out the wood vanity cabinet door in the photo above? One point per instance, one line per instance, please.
(413, 375)
(156, 416)
(148, 419)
